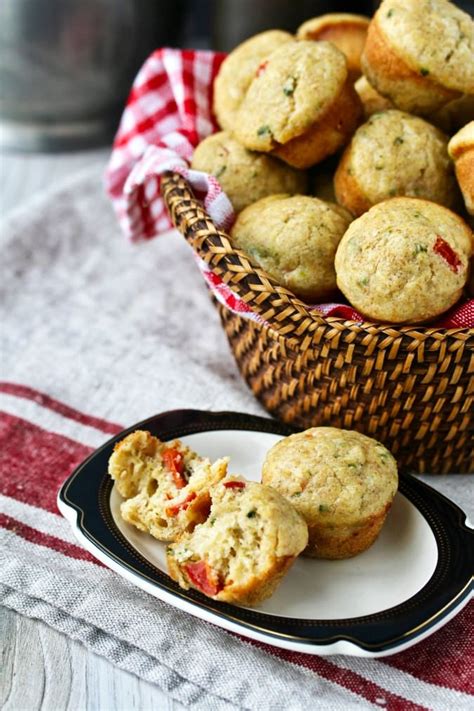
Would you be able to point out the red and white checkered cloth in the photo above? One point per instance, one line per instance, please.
(169, 111)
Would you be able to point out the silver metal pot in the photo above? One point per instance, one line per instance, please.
(66, 66)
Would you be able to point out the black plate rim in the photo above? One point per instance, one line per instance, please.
(377, 633)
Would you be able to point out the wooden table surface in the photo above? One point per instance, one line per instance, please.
(39, 667)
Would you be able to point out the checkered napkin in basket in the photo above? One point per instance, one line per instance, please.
(169, 111)
(92, 341)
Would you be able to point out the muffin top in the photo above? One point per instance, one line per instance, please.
(296, 85)
(404, 261)
(434, 37)
(333, 476)
(294, 239)
(462, 141)
(395, 153)
(346, 31)
(245, 176)
(249, 526)
(238, 70)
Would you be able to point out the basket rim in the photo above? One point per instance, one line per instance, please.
(172, 182)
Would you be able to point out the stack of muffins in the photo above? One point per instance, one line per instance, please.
(333, 157)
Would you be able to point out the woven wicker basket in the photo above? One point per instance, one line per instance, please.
(411, 388)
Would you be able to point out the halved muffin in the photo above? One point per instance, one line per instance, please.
(165, 484)
(348, 32)
(242, 551)
(341, 482)
(301, 105)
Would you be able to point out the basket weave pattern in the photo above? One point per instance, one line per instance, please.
(412, 388)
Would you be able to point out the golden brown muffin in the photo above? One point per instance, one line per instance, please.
(244, 175)
(404, 261)
(243, 550)
(340, 481)
(372, 101)
(455, 115)
(392, 154)
(294, 239)
(165, 484)
(301, 105)
(238, 70)
(348, 32)
(420, 53)
(461, 150)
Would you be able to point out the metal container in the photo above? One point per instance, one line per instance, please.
(66, 66)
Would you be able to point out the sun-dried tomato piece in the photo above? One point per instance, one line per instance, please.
(234, 484)
(175, 463)
(446, 252)
(181, 506)
(203, 577)
(261, 67)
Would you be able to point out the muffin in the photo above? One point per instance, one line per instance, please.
(301, 106)
(348, 32)
(243, 550)
(372, 101)
(420, 53)
(238, 70)
(165, 484)
(395, 154)
(341, 482)
(461, 150)
(294, 239)
(244, 175)
(404, 261)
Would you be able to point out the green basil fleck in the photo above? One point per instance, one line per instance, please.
(419, 248)
(323, 508)
(221, 171)
(398, 141)
(289, 86)
(263, 130)
(424, 71)
(252, 514)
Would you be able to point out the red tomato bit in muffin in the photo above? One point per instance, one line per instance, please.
(442, 248)
(181, 506)
(203, 577)
(234, 484)
(174, 462)
(261, 67)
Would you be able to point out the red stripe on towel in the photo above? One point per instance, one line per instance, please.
(44, 539)
(456, 640)
(34, 462)
(346, 678)
(61, 408)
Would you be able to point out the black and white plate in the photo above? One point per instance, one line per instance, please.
(414, 579)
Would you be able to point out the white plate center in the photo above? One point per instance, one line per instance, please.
(397, 566)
